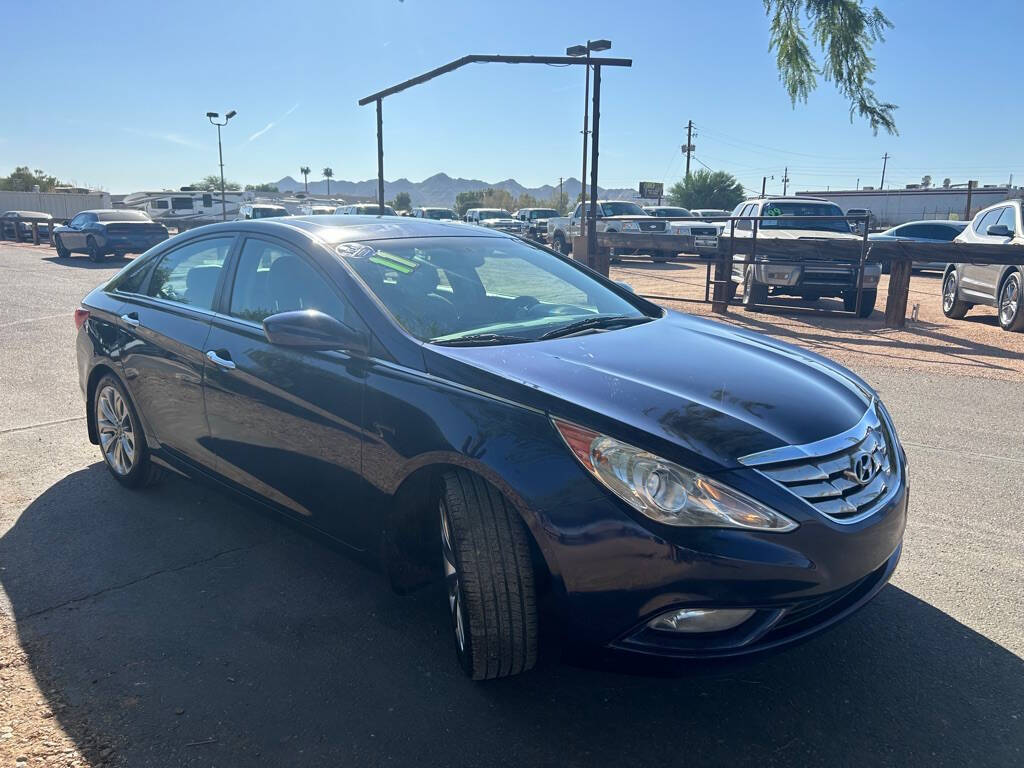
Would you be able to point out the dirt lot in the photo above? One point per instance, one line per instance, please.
(974, 346)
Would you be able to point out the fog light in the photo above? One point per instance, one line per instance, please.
(701, 619)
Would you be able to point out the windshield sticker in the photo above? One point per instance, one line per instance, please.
(772, 211)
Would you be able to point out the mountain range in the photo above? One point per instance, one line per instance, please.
(441, 189)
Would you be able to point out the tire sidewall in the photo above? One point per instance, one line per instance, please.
(465, 653)
(1016, 322)
(951, 277)
(62, 252)
(94, 251)
(137, 474)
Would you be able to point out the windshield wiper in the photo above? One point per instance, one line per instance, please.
(481, 339)
(594, 323)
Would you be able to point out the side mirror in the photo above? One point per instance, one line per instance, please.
(999, 230)
(312, 329)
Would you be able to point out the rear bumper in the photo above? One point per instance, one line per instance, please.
(131, 243)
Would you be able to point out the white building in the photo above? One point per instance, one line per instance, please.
(890, 207)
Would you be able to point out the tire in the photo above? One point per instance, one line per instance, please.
(953, 306)
(489, 578)
(95, 254)
(62, 252)
(559, 244)
(753, 293)
(867, 302)
(1010, 306)
(124, 452)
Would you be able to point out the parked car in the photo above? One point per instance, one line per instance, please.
(437, 214)
(365, 209)
(994, 285)
(495, 218)
(710, 214)
(536, 220)
(477, 410)
(117, 231)
(261, 211)
(612, 216)
(17, 225)
(776, 272)
(922, 232)
(315, 209)
(668, 211)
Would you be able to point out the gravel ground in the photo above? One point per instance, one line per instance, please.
(178, 627)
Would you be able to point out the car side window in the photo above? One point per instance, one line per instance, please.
(189, 274)
(134, 278)
(748, 210)
(271, 278)
(1009, 218)
(78, 221)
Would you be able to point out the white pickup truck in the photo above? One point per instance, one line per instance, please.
(612, 216)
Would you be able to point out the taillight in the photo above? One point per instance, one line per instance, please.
(81, 315)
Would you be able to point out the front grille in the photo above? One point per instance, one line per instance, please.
(844, 477)
(652, 226)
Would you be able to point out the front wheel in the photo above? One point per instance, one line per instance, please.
(559, 245)
(753, 293)
(952, 306)
(867, 302)
(1011, 310)
(489, 578)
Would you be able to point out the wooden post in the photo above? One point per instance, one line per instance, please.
(35, 233)
(579, 249)
(723, 273)
(17, 230)
(899, 293)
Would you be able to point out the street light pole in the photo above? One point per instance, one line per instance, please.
(213, 116)
(585, 50)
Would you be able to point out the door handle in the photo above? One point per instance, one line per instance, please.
(131, 319)
(216, 359)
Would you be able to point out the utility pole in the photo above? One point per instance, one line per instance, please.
(885, 161)
(785, 181)
(858, 183)
(970, 188)
(689, 145)
(586, 127)
(764, 181)
(561, 195)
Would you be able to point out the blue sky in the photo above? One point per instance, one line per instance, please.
(131, 84)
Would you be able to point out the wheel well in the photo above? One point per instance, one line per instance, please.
(95, 375)
(410, 539)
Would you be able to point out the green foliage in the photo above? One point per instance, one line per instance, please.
(22, 179)
(926, 181)
(466, 200)
(211, 183)
(707, 189)
(402, 202)
(267, 187)
(483, 198)
(525, 200)
(844, 30)
(946, 182)
(304, 170)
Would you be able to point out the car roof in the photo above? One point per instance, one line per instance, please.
(337, 229)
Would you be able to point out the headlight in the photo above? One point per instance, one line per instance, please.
(663, 491)
(630, 226)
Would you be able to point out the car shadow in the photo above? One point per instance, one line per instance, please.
(174, 626)
(83, 262)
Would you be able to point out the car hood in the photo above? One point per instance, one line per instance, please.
(704, 391)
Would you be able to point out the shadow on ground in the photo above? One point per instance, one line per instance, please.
(180, 628)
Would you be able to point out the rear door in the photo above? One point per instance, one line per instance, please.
(285, 423)
(167, 322)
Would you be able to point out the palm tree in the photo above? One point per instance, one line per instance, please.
(304, 170)
(328, 173)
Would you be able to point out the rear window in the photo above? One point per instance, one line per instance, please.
(122, 215)
(780, 209)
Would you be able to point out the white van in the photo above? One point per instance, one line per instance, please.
(261, 211)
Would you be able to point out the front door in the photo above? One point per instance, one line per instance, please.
(167, 323)
(978, 280)
(285, 422)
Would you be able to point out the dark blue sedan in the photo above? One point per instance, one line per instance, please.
(118, 231)
(474, 408)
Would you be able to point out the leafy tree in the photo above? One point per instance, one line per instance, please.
(267, 187)
(22, 179)
(526, 200)
(402, 202)
(844, 30)
(466, 200)
(304, 170)
(946, 182)
(926, 181)
(328, 173)
(707, 189)
(211, 183)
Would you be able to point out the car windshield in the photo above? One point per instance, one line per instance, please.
(543, 213)
(783, 209)
(493, 214)
(671, 212)
(268, 213)
(374, 210)
(621, 209)
(122, 215)
(439, 213)
(498, 290)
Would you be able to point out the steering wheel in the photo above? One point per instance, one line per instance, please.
(521, 304)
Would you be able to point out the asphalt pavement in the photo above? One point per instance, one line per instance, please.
(180, 627)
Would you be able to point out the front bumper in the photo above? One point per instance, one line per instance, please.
(838, 276)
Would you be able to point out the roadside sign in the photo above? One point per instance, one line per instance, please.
(652, 190)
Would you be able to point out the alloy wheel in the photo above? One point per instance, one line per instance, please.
(451, 579)
(949, 292)
(1009, 300)
(116, 431)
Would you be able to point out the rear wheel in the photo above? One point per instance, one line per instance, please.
(489, 578)
(62, 252)
(559, 244)
(867, 302)
(1011, 309)
(95, 254)
(122, 441)
(952, 306)
(753, 293)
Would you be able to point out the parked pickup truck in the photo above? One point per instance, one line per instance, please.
(612, 216)
(536, 220)
(775, 270)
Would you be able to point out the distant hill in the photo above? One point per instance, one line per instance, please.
(441, 189)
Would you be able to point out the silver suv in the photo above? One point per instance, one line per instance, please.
(995, 285)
